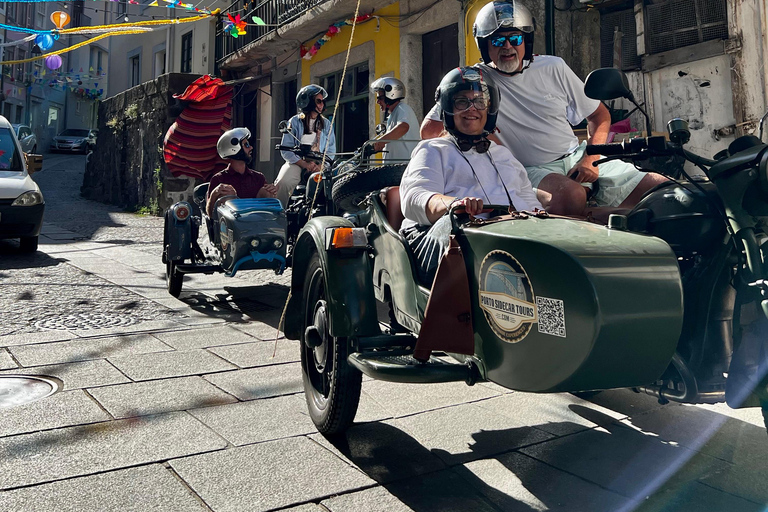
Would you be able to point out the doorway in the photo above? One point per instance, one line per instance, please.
(439, 54)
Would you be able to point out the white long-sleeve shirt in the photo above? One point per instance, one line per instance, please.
(437, 167)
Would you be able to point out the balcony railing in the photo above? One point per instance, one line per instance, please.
(275, 14)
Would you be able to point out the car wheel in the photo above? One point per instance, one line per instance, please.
(28, 243)
(173, 278)
(351, 188)
(331, 385)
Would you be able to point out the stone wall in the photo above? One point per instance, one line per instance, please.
(127, 167)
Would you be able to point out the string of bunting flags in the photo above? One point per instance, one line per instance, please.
(308, 52)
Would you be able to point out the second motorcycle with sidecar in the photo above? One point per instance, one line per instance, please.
(670, 299)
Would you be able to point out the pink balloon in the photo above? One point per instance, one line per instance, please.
(53, 62)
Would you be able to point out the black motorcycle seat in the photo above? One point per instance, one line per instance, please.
(199, 195)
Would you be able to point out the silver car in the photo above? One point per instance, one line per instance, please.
(26, 137)
(74, 139)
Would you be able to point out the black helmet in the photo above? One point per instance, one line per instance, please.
(504, 15)
(469, 78)
(304, 100)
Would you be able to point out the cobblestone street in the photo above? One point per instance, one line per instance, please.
(197, 404)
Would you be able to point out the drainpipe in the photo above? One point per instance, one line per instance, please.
(549, 26)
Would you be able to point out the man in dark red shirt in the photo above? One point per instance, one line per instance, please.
(237, 179)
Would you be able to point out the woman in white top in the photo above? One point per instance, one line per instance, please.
(310, 128)
(462, 167)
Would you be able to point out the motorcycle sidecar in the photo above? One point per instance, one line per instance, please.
(244, 234)
(544, 305)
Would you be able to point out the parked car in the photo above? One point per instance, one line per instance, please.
(21, 202)
(26, 137)
(78, 140)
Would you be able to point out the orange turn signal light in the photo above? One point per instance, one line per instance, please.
(346, 238)
(317, 177)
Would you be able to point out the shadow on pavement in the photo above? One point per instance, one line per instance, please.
(11, 257)
(611, 468)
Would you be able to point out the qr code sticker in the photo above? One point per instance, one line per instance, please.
(551, 316)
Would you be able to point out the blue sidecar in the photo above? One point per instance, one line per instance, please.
(243, 234)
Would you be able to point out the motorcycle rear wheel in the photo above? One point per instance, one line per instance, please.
(174, 280)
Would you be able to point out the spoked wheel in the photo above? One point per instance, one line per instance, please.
(173, 278)
(331, 385)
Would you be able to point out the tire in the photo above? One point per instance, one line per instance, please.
(331, 385)
(28, 244)
(351, 188)
(173, 279)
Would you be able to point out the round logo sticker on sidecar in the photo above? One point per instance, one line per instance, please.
(506, 296)
(223, 235)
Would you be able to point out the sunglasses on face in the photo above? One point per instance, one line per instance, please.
(319, 101)
(245, 144)
(481, 146)
(462, 103)
(514, 40)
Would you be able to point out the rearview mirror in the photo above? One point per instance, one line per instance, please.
(607, 84)
(34, 163)
(380, 128)
(282, 127)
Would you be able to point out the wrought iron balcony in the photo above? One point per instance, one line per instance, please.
(274, 13)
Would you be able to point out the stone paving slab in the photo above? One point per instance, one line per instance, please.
(63, 409)
(443, 491)
(261, 330)
(128, 490)
(204, 337)
(268, 475)
(259, 353)
(177, 363)
(148, 292)
(384, 451)
(262, 382)
(557, 413)
(404, 399)
(258, 420)
(83, 374)
(376, 499)
(147, 326)
(35, 337)
(84, 349)
(627, 461)
(368, 409)
(6, 361)
(696, 497)
(77, 451)
(468, 432)
(517, 483)
(159, 396)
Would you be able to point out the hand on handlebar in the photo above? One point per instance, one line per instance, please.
(472, 205)
(378, 146)
(311, 166)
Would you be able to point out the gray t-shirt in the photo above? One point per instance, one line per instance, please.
(402, 149)
(537, 110)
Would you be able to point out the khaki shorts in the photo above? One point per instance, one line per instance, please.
(616, 181)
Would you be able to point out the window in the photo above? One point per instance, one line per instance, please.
(622, 22)
(672, 24)
(186, 52)
(122, 8)
(159, 66)
(19, 112)
(21, 54)
(134, 65)
(10, 11)
(352, 125)
(40, 15)
(77, 13)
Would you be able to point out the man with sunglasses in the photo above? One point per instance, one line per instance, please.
(402, 133)
(542, 99)
(237, 179)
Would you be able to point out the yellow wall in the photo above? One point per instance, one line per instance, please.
(472, 53)
(386, 43)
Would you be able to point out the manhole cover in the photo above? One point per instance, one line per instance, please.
(22, 389)
(86, 321)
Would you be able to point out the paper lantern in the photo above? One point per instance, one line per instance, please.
(53, 62)
(44, 41)
(60, 18)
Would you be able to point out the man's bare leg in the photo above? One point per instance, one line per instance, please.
(560, 195)
(649, 181)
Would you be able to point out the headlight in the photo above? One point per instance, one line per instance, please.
(30, 198)
(278, 243)
(255, 243)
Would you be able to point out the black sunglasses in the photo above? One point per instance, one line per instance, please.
(481, 145)
(514, 40)
(245, 144)
(318, 101)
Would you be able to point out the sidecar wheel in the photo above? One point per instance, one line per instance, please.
(173, 279)
(351, 188)
(331, 385)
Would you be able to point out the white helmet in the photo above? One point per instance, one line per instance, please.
(230, 144)
(393, 88)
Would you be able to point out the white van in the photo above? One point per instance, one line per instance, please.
(21, 202)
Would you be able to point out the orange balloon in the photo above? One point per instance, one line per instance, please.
(60, 18)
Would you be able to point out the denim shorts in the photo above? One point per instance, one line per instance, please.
(616, 181)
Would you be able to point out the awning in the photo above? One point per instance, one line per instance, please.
(189, 146)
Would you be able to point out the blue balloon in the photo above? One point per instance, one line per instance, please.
(44, 41)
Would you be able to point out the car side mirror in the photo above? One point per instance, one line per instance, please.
(607, 84)
(34, 163)
(283, 127)
(380, 128)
